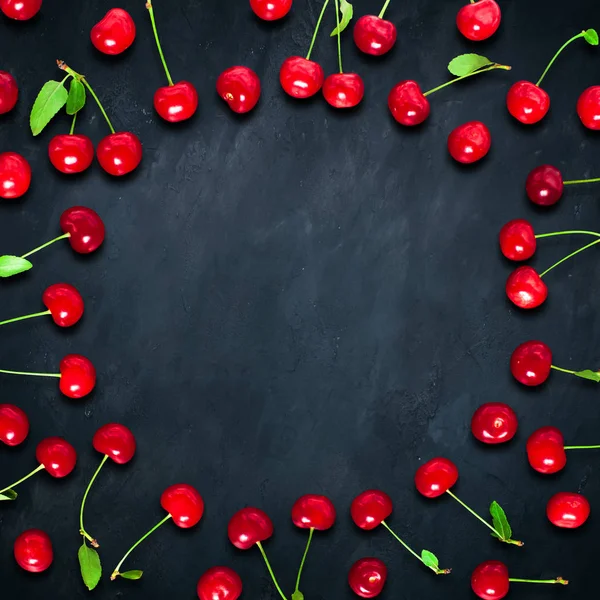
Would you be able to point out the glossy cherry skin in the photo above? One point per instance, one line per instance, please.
(367, 577)
(470, 142)
(114, 33)
(219, 583)
(177, 102)
(436, 477)
(240, 88)
(21, 10)
(544, 185)
(494, 423)
(184, 504)
(249, 526)
(119, 153)
(116, 441)
(343, 90)
(531, 363)
(271, 10)
(14, 425)
(85, 227)
(374, 36)
(525, 288)
(77, 376)
(490, 580)
(546, 450)
(567, 510)
(407, 103)
(71, 153)
(527, 102)
(588, 107)
(9, 92)
(57, 456)
(313, 512)
(517, 240)
(479, 21)
(33, 551)
(64, 303)
(370, 508)
(301, 78)
(15, 175)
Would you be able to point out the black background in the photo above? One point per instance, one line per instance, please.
(301, 300)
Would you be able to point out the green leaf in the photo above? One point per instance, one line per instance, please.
(91, 569)
(588, 374)
(347, 11)
(135, 574)
(500, 521)
(298, 595)
(13, 265)
(591, 37)
(467, 63)
(52, 97)
(8, 495)
(76, 97)
(430, 559)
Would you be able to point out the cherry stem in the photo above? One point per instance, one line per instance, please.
(310, 536)
(387, 3)
(40, 314)
(16, 483)
(339, 35)
(574, 231)
(578, 181)
(30, 374)
(60, 237)
(82, 530)
(264, 555)
(569, 256)
(575, 37)
(564, 370)
(160, 51)
(116, 573)
(477, 72)
(73, 124)
(557, 580)
(314, 37)
(581, 447)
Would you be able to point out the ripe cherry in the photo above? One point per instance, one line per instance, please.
(77, 376)
(15, 175)
(343, 90)
(176, 102)
(271, 10)
(494, 423)
(567, 510)
(300, 77)
(119, 153)
(525, 288)
(531, 363)
(436, 477)
(114, 33)
(33, 551)
(546, 450)
(240, 88)
(367, 577)
(9, 92)
(115, 441)
(219, 583)
(470, 142)
(71, 153)
(479, 20)
(85, 228)
(544, 185)
(57, 456)
(588, 107)
(184, 504)
(374, 35)
(313, 512)
(517, 240)
(21, 10)
(249, 526)
(14, 425)
(407, 103)
(370, 508)
(527, 102)
(64, 303)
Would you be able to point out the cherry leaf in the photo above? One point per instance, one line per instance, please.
(13, 265)
(347, 11)
(588, 374)
(8, 495)
(465, 64)
(500, 521)
(76, 97)
(91, 569)
(297, 595)
(430, 560)
(135, 574)
(591, 37)
(52, 97)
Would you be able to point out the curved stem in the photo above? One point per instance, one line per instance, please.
(310, 536)
(40, 314)
(577, 181)
(574, 231)
(30, 374)
(264, 555)
(60, 237)
(339, 35)
(562, 260)
(160, 52)
(575, 37)
(314, 37)
(72, 130)
(16, 483)
(387, 3)
(82, 530)
(490, 68)
(582, 447)
(557, 580)
(91, 91)
(116, 573)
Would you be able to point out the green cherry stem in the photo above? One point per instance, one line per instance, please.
(30, 374)
(16, 483)
(82, 530)
(116, 573)
(310, 536)
(578, 181)
(582, 447)
(160, 51)
(264, 555)
(575, 37)
(314, 37)
(569, 371)
(484, 70)
(60, 237)
(562, 260)
(339, 35)
(32, 316)
(559, 580)
(571, 232)
(72, 130)
(385, 6)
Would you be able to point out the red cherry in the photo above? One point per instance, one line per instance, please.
(301, 78)
(343, 90)
(494, 423)
(9, 92)
(490, 580)
(567, 510)
(57, 456)
(248, 527)
(33, 551)
(21, 10)
(588, 107)
(544, 185)
(313, 512)
(240, 88)
(527, 102)
(517, 240)
(15, 175)
(184, 504)
(219, 583)
(470, 142)
(271, 10)
(177, 102)
(546, 450)
(370, 508)
(436, 477)
(85, 226)
(531, 363)
(479, 21)
(116, 441)
(367, 577)
(525, 288)
(407, 103)
(77, 376)
(64, 303)
(72, 153)
(374, 36)
(14, 425)
(119, 153)
(114, 33)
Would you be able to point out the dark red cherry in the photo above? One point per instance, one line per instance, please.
(64, 303)
(219, 583)
(313, 512)
(114, 33)
(407, 103)
(301, 78)
(240, 88)
(271, 10)
(33, 551)
(21, 10)
(374, 36)
(343, 90)
(15, 175)
(527, 102)
(490, 580)
(14, 425)
(370, 508)
(544, 185)
(367, 577)
(525, 288)
(116, 441)
(9, 92)
(119, 153)
(77, 376)
(480, 20)
(531, 363)
(470, 142)
(436, 477)
(494, 423)
(517, 240)
(568, 510)
(71, 153)
(249, 526)
(588, 107)
(85, 227)
(57, 456)
(546, 450)
(177, 102)
(184, 504)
